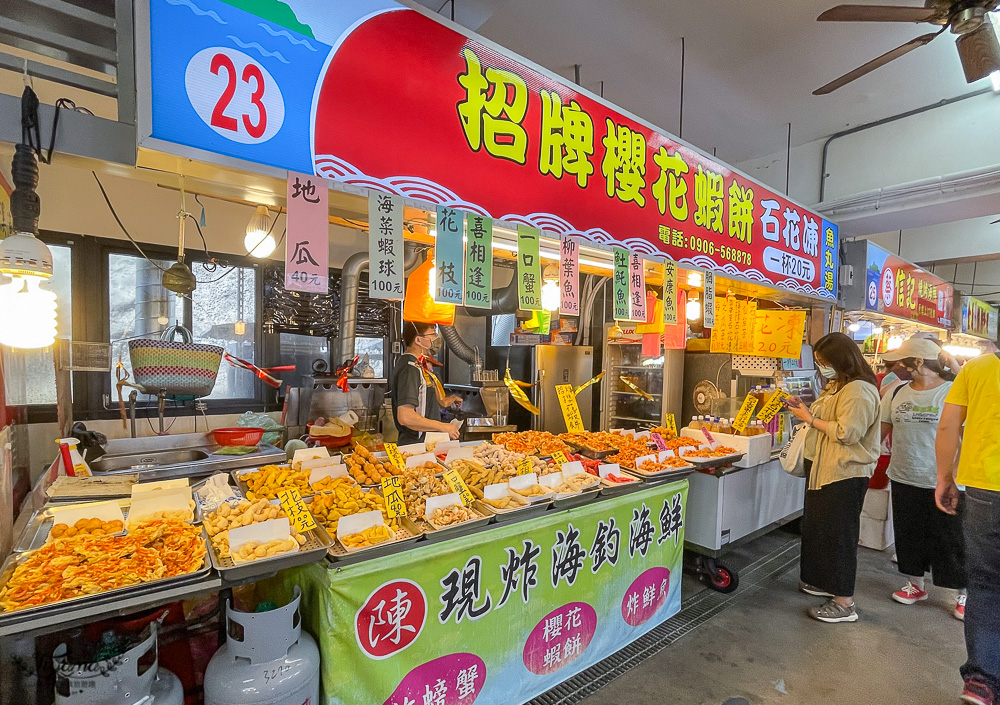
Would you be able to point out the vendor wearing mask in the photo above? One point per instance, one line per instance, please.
(414, 409)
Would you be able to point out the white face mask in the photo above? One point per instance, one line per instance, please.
(827, 371)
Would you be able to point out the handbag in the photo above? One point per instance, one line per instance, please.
(793, 454)
(179, 368)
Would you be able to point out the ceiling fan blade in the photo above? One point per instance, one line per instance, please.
(876, 63)
(877, 13)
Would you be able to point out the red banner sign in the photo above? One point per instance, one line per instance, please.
(410, 106)
(898, 288)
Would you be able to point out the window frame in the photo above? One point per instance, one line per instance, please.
(91, 315)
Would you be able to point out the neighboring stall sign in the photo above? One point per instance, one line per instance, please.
(978, 318)
(637, 287)
(502, 617)
(449, 256)
(669, 292)
(307, 240)
(529, 269)
(385, 246)
(898, 288)
(479, 262)
(620, 288)
(569, 275)
(378, 95)
(708, 306)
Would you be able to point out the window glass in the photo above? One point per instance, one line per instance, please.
(301, 351)
(374, 348)
(139, 307)
(39, 372)
(224, 311)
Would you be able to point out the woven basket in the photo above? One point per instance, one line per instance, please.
(180, 368)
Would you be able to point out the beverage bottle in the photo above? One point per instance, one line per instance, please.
(725, 426)
(694, 425)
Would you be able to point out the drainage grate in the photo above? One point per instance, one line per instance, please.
(694, 612)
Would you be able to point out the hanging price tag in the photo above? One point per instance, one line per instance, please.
(560, 458)
(658, 440)
(395, 457)
(708, 435)
(295, 508)
(458, 485)
(570, 409)
(773, 405)
(671, 423)
(524, 467)
(746, 411)
(392, 490)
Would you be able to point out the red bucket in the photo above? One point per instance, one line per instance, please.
(241, 436)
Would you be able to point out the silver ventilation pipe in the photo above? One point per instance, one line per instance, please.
(461, 349)
(350, 281)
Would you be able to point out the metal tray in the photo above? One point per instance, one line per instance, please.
(613, 489)
(37, 531)
(318, 541)
(237, 476)
(663, 476)
(407, 535)
(16, 559)
(715, 462)
(433, 533)
(590, 452)
(503, 516)
(577, 499)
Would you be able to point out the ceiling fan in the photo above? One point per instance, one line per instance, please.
(977, 43)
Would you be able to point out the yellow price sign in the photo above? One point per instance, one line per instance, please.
(746, 411)
(395, 457)
(671, 423)
(392, 490)
(773, 405)
(295, 508)
(458, 485)
(560, 458)
(524, 467)
(781, 429)
(570, 409)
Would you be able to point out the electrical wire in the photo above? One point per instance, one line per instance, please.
(122, 225)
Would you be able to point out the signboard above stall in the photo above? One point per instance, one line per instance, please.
(380, 96)
(884, 283)
(978, 318)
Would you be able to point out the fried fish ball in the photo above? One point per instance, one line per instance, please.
(58, 530)
(94, 524)
(81, 524)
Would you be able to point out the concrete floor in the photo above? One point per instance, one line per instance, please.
(764, 643)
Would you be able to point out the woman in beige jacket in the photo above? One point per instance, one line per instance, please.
(841, 451)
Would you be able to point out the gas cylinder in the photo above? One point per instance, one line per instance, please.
(130, 678)
(267, 660)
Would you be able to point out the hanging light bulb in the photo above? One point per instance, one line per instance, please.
(240, 328)
(551, 295)
(894, 342)
(854, 327)
(27, 311)
(258, 241)
(877, 330)
(694, 279)
(692, 309)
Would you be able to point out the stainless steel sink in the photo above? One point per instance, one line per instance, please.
(183, 455)
(150, 459)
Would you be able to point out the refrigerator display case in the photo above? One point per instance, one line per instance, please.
(660, 377)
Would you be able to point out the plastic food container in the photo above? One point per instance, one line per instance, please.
(238, 436)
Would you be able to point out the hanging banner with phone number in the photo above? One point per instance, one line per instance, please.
(898, 288)
(317, 87)
(501, 619)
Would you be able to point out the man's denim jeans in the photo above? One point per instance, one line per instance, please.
(982, 613)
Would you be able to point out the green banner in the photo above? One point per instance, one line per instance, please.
(622, 310)
(448, 256)
(529, 269)
(479, 262)
(499, 616)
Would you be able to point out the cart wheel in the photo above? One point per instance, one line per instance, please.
(724, 580)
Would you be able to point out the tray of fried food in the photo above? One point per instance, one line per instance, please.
(170, 504)
(446, 515)
(527, 486)
(665, 433)
(263, 548)
(230, 516)
(55, 521)
(421, 482)
(86, 566)
(719, 455)
(504, 461)
(267, 481)
(346, 499)
(367, 530)
(367, 468)
(572, 487)
(588, 444)
(505, 505)
(676, 444)
(653, 466)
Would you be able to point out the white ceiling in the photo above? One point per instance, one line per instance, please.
(751, 65)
